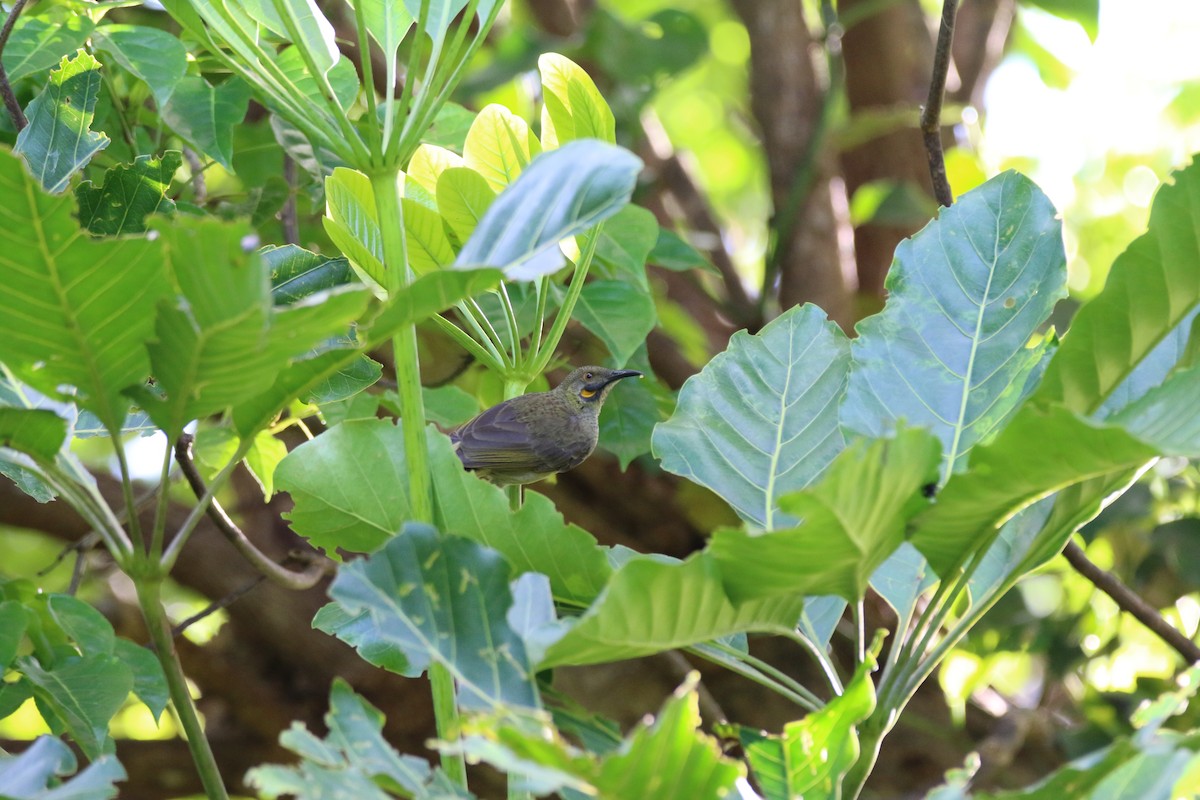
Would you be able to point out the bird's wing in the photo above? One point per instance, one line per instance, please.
(499, 439)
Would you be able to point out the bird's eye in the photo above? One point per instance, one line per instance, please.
(589, 376)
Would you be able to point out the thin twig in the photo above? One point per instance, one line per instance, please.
(215, 605)
(277, 574)
(1131, 603)
(931, 115)
(199, 184)
(287, 214)
(10, 99)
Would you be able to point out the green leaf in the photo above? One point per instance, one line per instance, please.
(499, 146)
(425, 238)
(1085, 12)
(812, 755)
(573, 106)
(222, 342)
(852, 519)
(951, 348)
(620, 314)
(760, 420)
(88, 628)
(130, 193)
(463, 196)
(1045, 449)
(625, 244)
(351, 761)
(40, 773)
(387, 23)
(351, 223)
(562, 193)
(450, 127)
(14, 618)
(57, 142)
(75, 311)
(297, 273)
(672, 252)
(668, 758)
(347, 486)
(438, 14)
(444, 599)
(343, 78)
(204, 115)
(627, 420)
(1152, 288)
(37, 44)
(653, 603)
(313, 32)
(38, 433)
(449, 405)
(153, 56)
(149, 681)
(84, 693)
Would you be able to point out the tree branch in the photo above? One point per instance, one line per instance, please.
(931, 115)
(269, 569)
(1131, 603)
(10, 99)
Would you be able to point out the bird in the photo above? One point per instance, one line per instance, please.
(533, 436)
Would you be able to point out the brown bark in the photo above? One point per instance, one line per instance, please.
(888, 55)
(786, 98)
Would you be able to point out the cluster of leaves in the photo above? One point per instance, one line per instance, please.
(952, 443)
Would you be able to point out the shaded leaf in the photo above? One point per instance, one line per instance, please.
(38, 773)
(442, 598)
(37, 43)
(149, 682)
(84, 693)
(852, 519)
(130, 193)
(204, 115)
(297, 273)
(620, 314)
(154, 56)
(37, 433)
(57, 142)
(760, 420)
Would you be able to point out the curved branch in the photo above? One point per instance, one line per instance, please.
(1131, 603)
(273, 572)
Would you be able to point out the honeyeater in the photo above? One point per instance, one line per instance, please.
(534, 436)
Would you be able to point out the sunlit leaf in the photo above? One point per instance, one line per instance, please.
(562, 193)
(463, 195)
(76, 311)
(153, 56)
(38, 433)
(37, 44)
(83, 693)
(343, 78)
(352, 224)
(499, 146)
(300, 22)
(573, 106)
(58, 141)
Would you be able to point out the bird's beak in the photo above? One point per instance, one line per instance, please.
(622, 373)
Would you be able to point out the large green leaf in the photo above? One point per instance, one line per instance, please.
(152, 55)
(951, 348)
(57, 142)
(499, 146)
(812, 755)
(443, 599)
(204, 115)
(387, 23)
(653, 603)
(300, 22)
(222, 341)
(82, 693)
(852, 519)
(1045, 449)
(297, 273)
(350, 761)
(624, 246)
(40, 773)
(38, 43)
(131, 192)
(343, 78)
(560, 194)
(351, 222)
(463, 196)
(620, 314)
(760, 420)
(75, 311)
(36, 432)
(1152, 288)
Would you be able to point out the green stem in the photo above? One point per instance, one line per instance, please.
(511, 315)
(542, 358)
(835, 683)
(149, 593)
(135, 525)
(470, 345)
(386, 186)
(160, 509)
(468, 315)
(737, 665)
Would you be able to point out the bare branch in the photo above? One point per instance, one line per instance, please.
(1131, 603)
(931, 115)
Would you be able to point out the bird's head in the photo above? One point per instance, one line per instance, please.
(590, 385)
